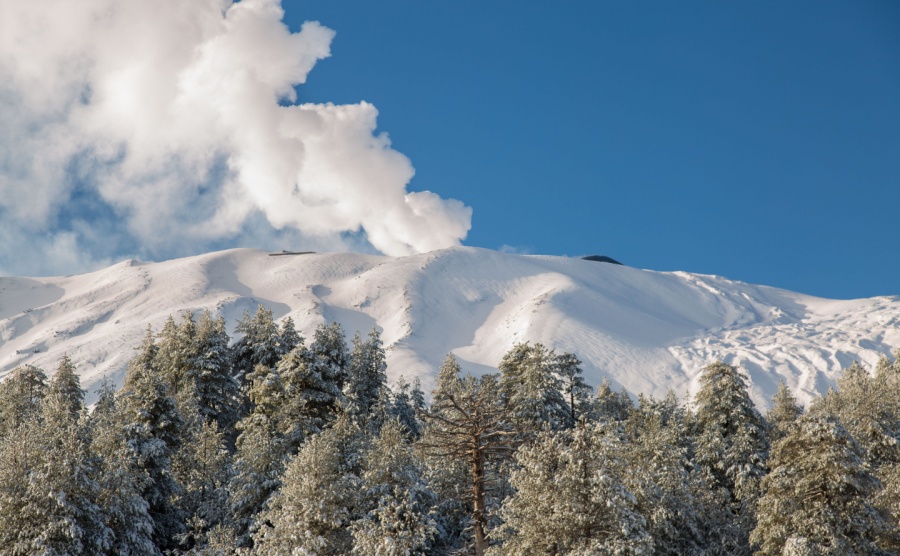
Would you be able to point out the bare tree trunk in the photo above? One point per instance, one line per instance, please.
(478, 514)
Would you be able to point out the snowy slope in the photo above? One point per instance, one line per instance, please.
(647, 331)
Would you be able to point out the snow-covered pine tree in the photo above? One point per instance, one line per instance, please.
(20, 452)
(65, 385)
(152, 430)
(784, 413)
(608, 405)
(404, 407)
(260, 455)
(310, 400)
(731, 444)
(218, 395)
(366, 376)
(869, 410)
(571, 497)
(469, 423)
(659, 473)
(329, 356)
(400, 519)
(869, 407)
(887, 380)
(531, 389)
(312, 512)
(257, 469)
(59, 511)
(816, 500)
(120, 481)
(260, 343)
(447, 477)
(575, 390)
(289, 337)
(174, 350)
(202, 467)
(20, 397)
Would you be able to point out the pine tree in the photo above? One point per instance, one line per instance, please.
(260, 343)
(659, 473)
(20, 453)
(816, 500)
(319, 500)
(257, 469)
(66, 386)
(289, 337)
(731, 439)
(329, 356)
(784, 413)
(218, 395)
(531, 388)
(575, 390)
(367, 378)
(400, 520)
(20, 397)
(404, 407)
(120, 481)
(152, 430)
(48, 479)
(60, 512)
(467, 423)
(869, 411)
(571, 498)
(731, 444)
(608, 405)
(869, 408)
(202, 469)
(174, 351)
(310, 400)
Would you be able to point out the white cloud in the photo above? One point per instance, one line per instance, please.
(176, 121)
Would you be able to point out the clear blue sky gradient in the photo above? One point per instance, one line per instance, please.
(755, 140)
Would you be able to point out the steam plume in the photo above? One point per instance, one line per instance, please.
(169, 127)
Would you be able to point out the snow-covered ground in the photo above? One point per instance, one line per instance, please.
(647, 331)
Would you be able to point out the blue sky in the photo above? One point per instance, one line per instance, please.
(754, 140)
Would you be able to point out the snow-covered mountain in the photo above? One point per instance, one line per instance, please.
(647, 331)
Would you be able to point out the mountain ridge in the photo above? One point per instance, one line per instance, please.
(647, 331)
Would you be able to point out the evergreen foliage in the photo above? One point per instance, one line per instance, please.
(571, 498)
(127, 513)
(532, 390)
(20, 397)
(661, 476)
(407, 405)
(400, 519)
(610, 406)
(784, 413)
(260, 343)
(366, 376)
(152, 430)
(574, 389)
(816, 500)
(313, 453)
(202, 468)
(329, 356)
(467, 422)
(320, 498)
(310, 399)
(209, 371)
(258, 465)
(731, 434)
(65, 387)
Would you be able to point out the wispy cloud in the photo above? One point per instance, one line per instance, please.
(168, 127)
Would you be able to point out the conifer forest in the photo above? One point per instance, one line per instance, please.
(276, 444)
